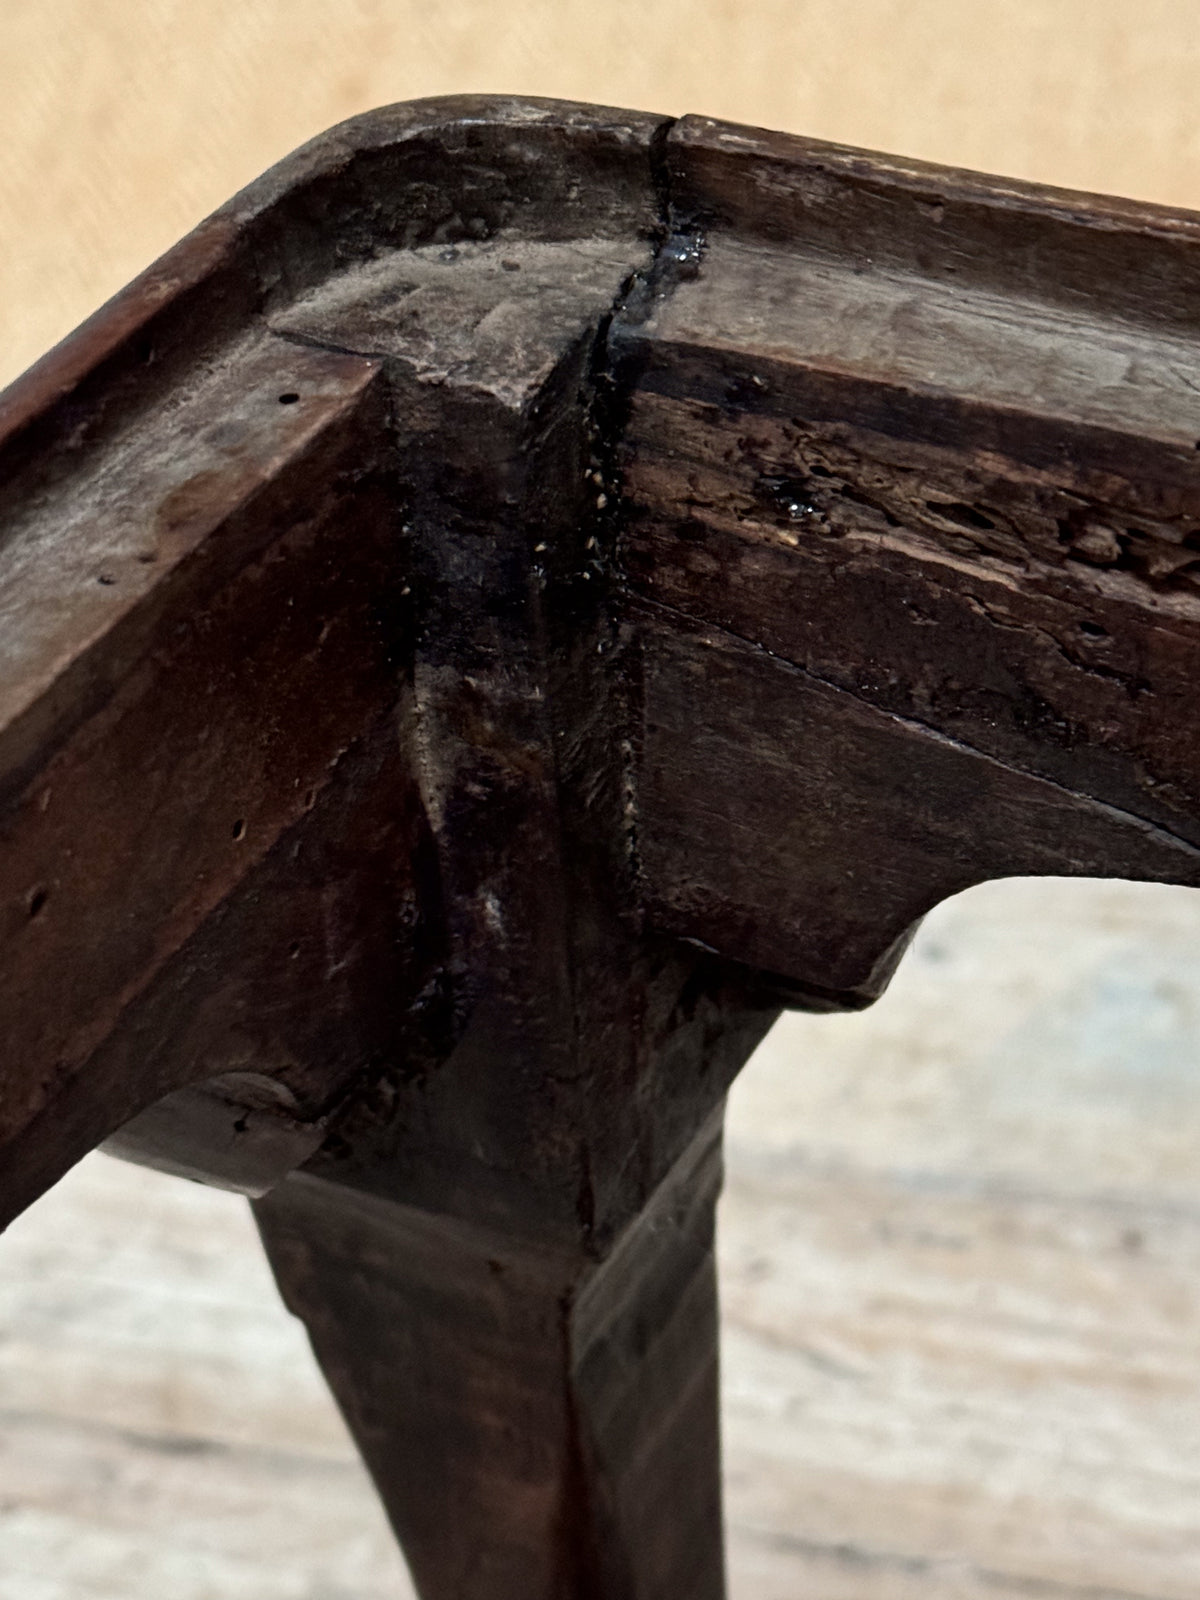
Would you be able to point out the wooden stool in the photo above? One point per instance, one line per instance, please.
(516, 597)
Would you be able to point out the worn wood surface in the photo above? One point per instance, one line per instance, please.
(921, 454)
(521, 592)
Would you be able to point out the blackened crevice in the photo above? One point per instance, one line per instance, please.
(616, 371)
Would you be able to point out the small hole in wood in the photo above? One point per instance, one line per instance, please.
(791, 496)
(106, 580)
(289, 399)
(37, 902)
(1093, 630)
(239, 829)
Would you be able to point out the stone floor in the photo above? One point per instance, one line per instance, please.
(960, 1257)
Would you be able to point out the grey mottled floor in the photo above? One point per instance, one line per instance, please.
(961, 1277)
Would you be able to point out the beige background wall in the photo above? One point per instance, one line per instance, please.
(123, 122)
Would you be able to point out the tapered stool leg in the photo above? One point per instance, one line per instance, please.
(540, 1425)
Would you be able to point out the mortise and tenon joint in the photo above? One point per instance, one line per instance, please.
(521, 593)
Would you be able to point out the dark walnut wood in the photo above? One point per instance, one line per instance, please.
(519, 595)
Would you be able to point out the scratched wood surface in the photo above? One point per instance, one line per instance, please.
(960, 1257)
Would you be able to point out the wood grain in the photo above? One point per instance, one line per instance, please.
(564, 742)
